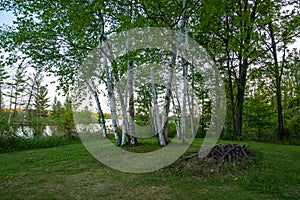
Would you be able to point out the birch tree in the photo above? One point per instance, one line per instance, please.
(112, 101)
(184, 31)
(163, 135)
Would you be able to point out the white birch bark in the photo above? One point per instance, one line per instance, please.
(112, 100)
(178, 112)
(191, 111)
(152, 121)
(123, 110)
(184, 104)
(166, 108)
(129, 91)
(191, 98)
(131, 102)
(154, 112)
(183, 29)
(157, 122)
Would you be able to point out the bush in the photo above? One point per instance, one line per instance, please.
(293, 127)
(172, 130)
(12, 143)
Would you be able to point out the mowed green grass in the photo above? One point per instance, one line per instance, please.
(70, 172)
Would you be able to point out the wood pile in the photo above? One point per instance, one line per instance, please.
(219, 154)
(222, 153)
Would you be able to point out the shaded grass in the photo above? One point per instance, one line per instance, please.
(70, 172)
(13, 143)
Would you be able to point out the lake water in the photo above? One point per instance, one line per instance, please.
(142, 132)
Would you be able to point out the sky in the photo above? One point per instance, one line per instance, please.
(6, 18)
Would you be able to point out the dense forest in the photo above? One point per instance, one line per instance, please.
(254, 45)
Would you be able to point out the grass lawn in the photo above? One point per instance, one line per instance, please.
(70, 172)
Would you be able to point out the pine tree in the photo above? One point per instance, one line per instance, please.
(3, 85)
(41, 101)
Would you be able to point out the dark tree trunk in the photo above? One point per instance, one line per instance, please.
(240, 99)
(229, 72)
(1, 103)
(245, 43)
(281, 132)
(101, 116)
(278, 75)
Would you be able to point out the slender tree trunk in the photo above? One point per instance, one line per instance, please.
(240, 99)
(184, 103)
(183, 30)
(101, 117)
(15, 105)
(281, 132)
(128, 124)
(166, 108)
(131, 134)
(123, 110)
(217, 107)
(152, 120)
(231, 97)
(157, 120)
(178, 112)
(29, 99)
(1, 101)
(112, 101)
(191, 104)
(10, 103)
(230, 83)
(278, 75)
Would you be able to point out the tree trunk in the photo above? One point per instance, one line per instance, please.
(247, 30)
(278, 75)
(191, 104)
(240, 99)
(230, 83)
(183, 30)
(112, 101)
(229, 72)
(157, 121)
(281, 132)
(131, 127)
(166, 108)
(1, 102)
(29, 100)
(101, 117)
(123, 110)
(184, 103)
(178, 113)
(216, 114)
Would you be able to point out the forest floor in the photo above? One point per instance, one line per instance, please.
(70, 172)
